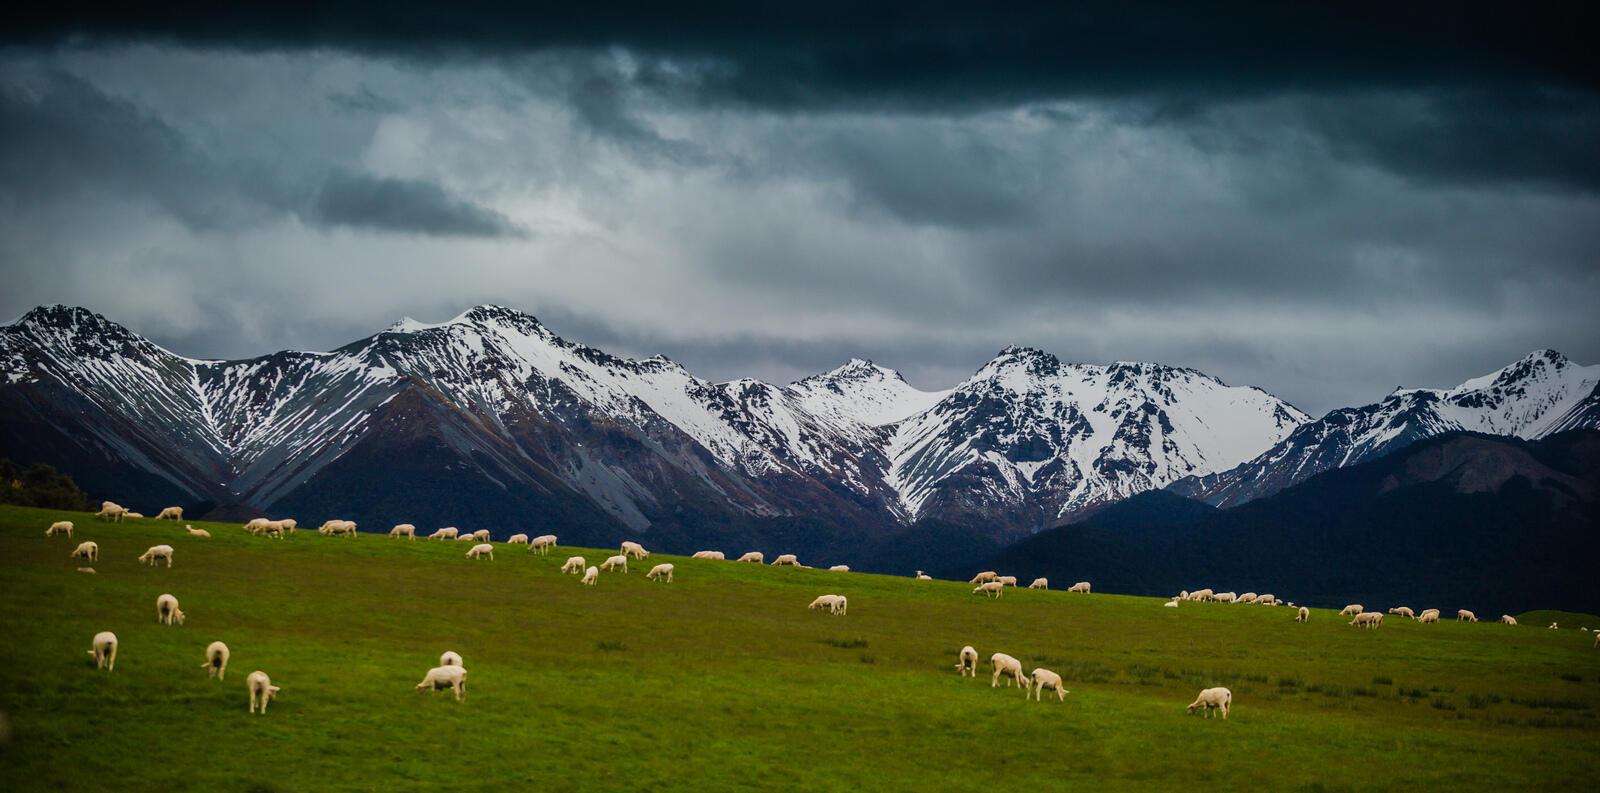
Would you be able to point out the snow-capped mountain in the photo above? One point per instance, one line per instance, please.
(1539, 395)
(494, 419)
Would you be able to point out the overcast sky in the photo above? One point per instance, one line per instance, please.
(1327, 207)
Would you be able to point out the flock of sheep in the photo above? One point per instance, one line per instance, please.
(451, 674)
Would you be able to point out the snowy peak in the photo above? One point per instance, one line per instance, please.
(862, 393)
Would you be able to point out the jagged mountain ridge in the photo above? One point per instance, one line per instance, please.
(496, 398)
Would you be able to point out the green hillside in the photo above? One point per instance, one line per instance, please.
(723, 680)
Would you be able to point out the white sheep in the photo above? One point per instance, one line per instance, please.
(111, 511)
(1554, 626)
(1040, 583)
(1003, 664)
(194, 532)
(1248, 597)
(482, 535)
(839, 568)
(1213, 699)
(406, 530)
(1303, 615)
(254, 525)
(480, 551)
(170, 513)
(446, 533)
(156, 554)
(633, 549)
(59, 527)
(1172, 604)
(89, 570)
(712, 555)
(754, 557)
(105, 650)
(1200, 594)
(468, 537)
(967, 662)
(613, 562)
(1043, 679)
(1507, 619)
(167, 611)
(1081, 586)
(338, 528)
(1351, 610)
(216, 664)
(1462, 615)
(786, 560)
(439, 678)
(984, 577)
(518, 539)
(1403, 611)
(835, 604)
(658, 571)
(921, 576)
(449, 658)
(543, 543)
(575, 564)
(1007, 580)
(87, 550)
(590, 576)
(993, 589)
(1225, 597)
(132, 514)
(290, 524)
(1369, 619)
(1268, 600)
(1431, 615)
(261, 690)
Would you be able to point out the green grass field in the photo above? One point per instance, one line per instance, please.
(723, 680)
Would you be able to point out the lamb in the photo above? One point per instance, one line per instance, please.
(407, 530)
(156, 554)
(1351, 610)
(105, 650)
(984, 577)
(449, 658)
(480, 551)
(1184, 595)
(921, 576)
(518, 539)
(167, 611)
(111, 511)
(1370, 619)
(216, 664)
(1248, 597)
(1003, 664)
(59, 527)
(1225, 597)
(170, 513)
(1507, 619)
(1213, 699)
(614, 562)
(1462, 615)
(482, 535)
(1431, 615)
(658, 571)
(1403, 611)
(468, 537)
(835, 604)
(754, 557)
(446, 533)
(1081, 586)
(131, 514)
(993, 589)
(712, 555)
(839, 568)
(575, 564)
(261, 690)
(543, 543)
(1171, 604)
(194, 532)
(786, 560)
(1040, 583)
(967, 662)
(443, 677)
(87, 550)
(1043, 679)
(1305, 614)
(590, 576)
(633, 549)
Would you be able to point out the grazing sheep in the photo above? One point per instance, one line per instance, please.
(1007, 580)
(992, 589)
(543, 543)
(261, 690)
(254, 525)
(482, 535)
(1043, 679)
(288, 524)
(1268, 600)
(984, 577)
(216, 664)
(1431, 615)
(1040, 583)
(1172, 604)
(1305, 614)
(1081, 586)
(755, 557)
(170, 513)
(1369, 619)
(575, 564)
(1462, 615)
(1213, 699)
(1403, 611)
(839, 568)
(156, 554)
(405, 530)
(967, 662)
(480, 551)
(449, 658)
(658, 571)
(469, 537)
(111, 511)
(442, 677)
(1225, 597)
(167, 611)
(835, 604)
(921, 576)
(1003, 664)
(1351, 610)
(518, 539)
(786, 560)
(86, 550)
(1184, 595)
(446, 533)
(614, 562)
(1201, 594)
(633, 549)
(338, 528)
(59, 527)
(1507, 619)
(712, 555)
(105, 650)
(590, 576)
(1248, 597)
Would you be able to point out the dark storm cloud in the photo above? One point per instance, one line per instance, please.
(403, 205)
